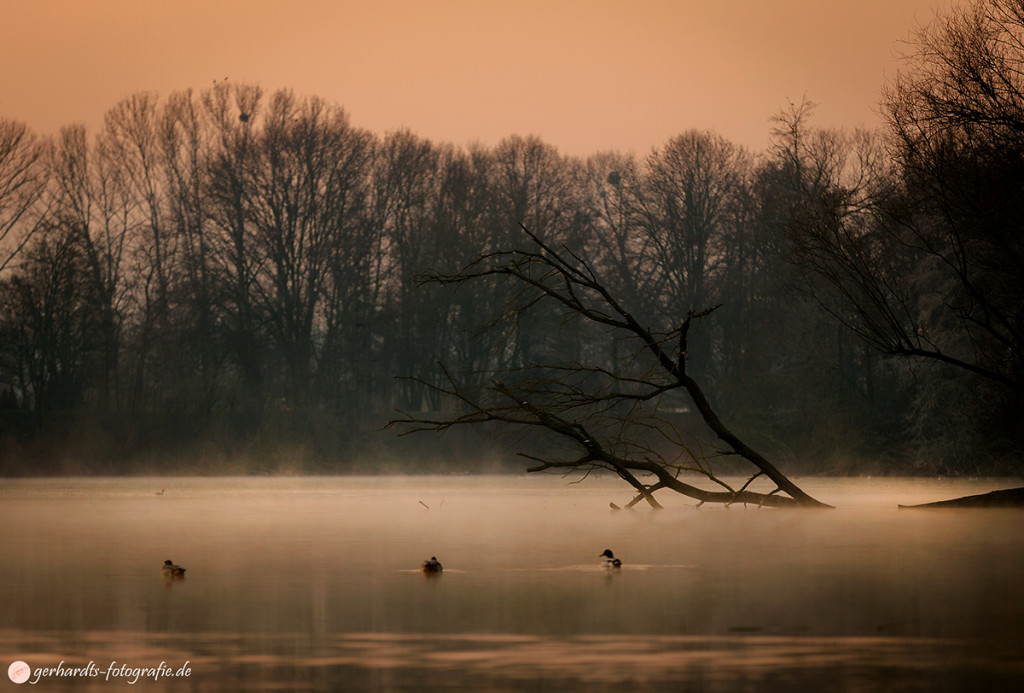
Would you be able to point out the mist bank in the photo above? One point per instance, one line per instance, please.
(87, 448)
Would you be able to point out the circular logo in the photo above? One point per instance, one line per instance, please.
(19, 671)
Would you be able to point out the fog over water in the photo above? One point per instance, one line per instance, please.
(313, 584)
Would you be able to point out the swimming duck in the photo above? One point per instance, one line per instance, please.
(169, 569)
(610, 561)
(431, 566)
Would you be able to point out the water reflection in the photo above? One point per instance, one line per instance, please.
(503, 662)
(317, 585)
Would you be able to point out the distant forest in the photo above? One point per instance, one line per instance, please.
(225, 281)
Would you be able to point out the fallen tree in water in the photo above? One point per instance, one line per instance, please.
(603, 415)
(1006, 498)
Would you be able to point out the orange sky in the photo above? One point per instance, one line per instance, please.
(585, 75)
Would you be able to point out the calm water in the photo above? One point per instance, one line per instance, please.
(313, 584)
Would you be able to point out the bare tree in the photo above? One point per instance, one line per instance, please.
(603, 419)
(956, 119)
(923, 252)
(613, 188)
(92, 202)
(838, 184)
(405, 198)
(310, 185)
(688, 188)
(231, 114)
(47, 325)
(465, 219)
(131, 138)
(185, 153)
(23, 177)
(533, 184)
(916, 246)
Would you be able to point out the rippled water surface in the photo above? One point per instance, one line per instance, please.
(313, 584)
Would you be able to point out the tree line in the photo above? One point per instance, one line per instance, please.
(227, 277)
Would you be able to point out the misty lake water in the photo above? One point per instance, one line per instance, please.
(314, 584)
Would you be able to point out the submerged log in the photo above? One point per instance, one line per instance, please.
(1006, 498)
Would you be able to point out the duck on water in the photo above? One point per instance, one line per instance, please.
(169, 569)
